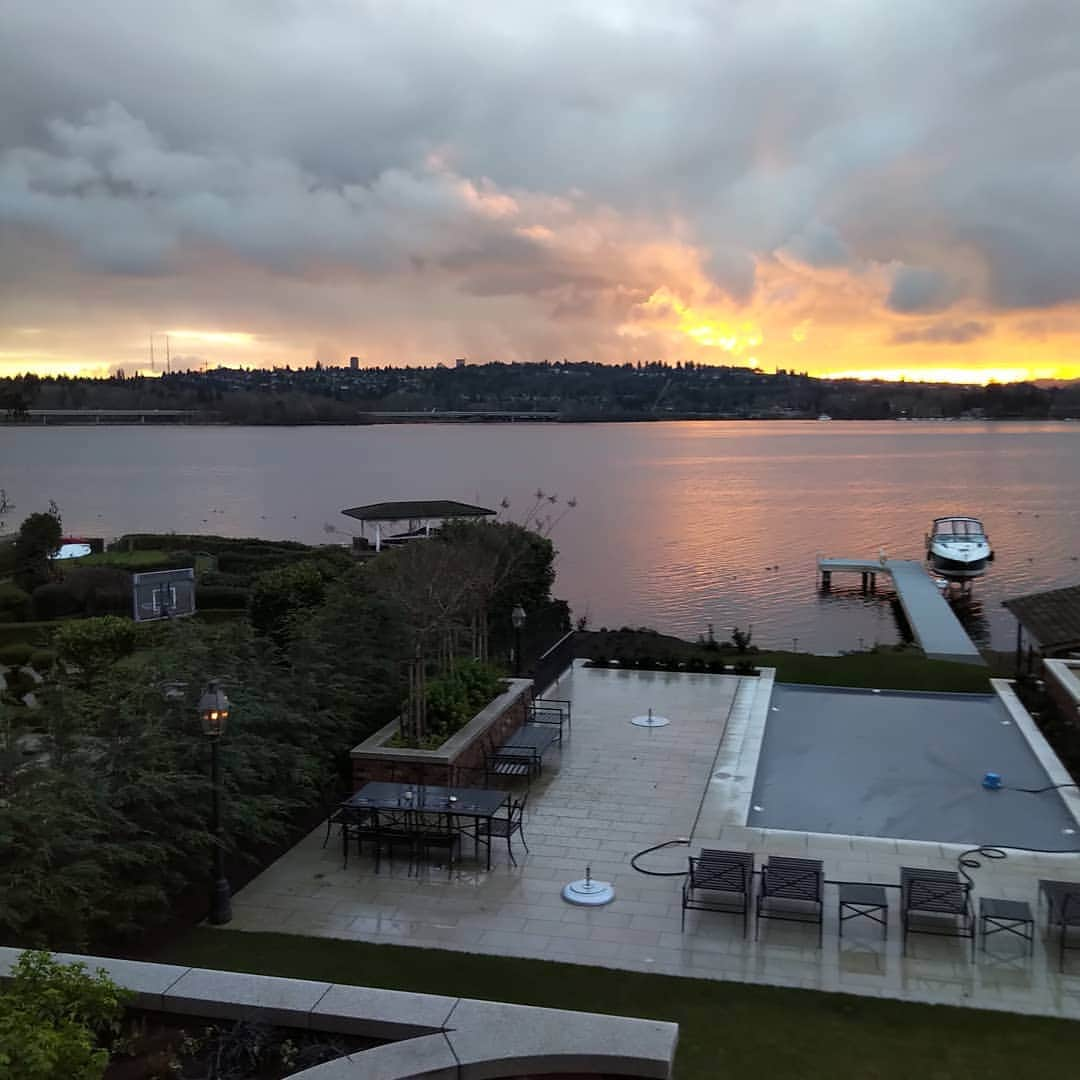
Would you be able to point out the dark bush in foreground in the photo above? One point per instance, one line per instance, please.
(53, 601)
(221, 597)
(14, 603)
(16, 654)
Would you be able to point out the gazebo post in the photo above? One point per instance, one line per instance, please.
(1019, 647)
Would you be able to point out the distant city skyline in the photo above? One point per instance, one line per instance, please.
(876, 190)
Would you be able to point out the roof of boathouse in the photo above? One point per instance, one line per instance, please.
(418, 509)
(1052, 618)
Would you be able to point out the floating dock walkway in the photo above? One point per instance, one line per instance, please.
(936, 628)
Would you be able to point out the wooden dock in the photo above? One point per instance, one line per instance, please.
(932, 621)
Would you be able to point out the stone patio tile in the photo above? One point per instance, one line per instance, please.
(626, 935)
(595, 916)
(301, 922)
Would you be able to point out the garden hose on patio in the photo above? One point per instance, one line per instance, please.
(1039, 790)
(656, 847)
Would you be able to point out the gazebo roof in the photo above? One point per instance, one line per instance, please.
(414, 510)
(1051, 618)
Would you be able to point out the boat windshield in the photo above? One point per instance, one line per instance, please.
(968, 527)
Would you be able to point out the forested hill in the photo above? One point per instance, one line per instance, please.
(566, 391)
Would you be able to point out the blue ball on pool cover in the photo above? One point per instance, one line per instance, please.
(992, 781)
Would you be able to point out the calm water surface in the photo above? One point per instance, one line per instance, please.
(677, 524)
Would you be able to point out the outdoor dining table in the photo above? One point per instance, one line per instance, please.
(478, 804)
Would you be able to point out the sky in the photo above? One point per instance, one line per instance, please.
(836, 186)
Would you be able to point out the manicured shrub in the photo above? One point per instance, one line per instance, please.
(216, 577)
(94, 644)
(53, 601)
(14, 603)
(455, 698)
(16, 654)
(86, 583)
(221, 597)
(110, 602)
(56, 1020)
(42, 660)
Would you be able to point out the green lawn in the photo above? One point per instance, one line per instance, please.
(886, 669)
(124, 560)
(881, 670)
(726, 1029)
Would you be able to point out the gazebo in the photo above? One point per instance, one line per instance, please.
(1050, 620)
(418, 516)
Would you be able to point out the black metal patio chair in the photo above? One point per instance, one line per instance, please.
(393, 829)
(357, 824)
(721, 881)
(936, 903)
(337, 817)
(513, 822)
(1063, 911)
(436, 832)
(791, 890)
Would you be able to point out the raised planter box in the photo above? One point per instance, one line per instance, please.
(374, 760)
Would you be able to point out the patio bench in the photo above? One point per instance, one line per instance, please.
(726, 880)
(554, 711)
(792, 890)
(515, 764)
(1063, 910)
(937, 903)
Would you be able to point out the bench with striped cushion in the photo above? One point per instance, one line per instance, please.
(720, 881)
(792, 890)
(935, 902)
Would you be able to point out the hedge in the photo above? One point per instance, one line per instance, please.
(195, 542)
(16, 654)
(51, 601)
(42, 660)
(36, 633)
(221, 597)
(14, 602)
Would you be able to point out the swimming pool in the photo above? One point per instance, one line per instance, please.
(905, 766)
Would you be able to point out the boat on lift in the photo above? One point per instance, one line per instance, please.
(958, 549)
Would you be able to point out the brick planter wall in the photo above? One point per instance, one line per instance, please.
(373, 760)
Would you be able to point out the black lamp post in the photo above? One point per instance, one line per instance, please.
(517, 617)
(214, 714)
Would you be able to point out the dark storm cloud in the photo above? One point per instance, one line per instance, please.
(918, 289)
(505, 149)
(943, 333)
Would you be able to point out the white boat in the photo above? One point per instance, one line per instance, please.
(958, 549)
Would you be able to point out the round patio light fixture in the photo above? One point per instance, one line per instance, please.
(588, 893)
(650, 721)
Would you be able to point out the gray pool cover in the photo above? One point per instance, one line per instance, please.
(902, 765)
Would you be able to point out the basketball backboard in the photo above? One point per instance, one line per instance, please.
(163, 594)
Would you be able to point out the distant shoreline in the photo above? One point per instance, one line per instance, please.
(91, 419)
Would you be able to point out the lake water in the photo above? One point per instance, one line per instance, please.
(676, 525)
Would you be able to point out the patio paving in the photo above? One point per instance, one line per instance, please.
(615, 789)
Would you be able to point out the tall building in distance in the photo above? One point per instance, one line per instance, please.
(354, 363)
(460, 362)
